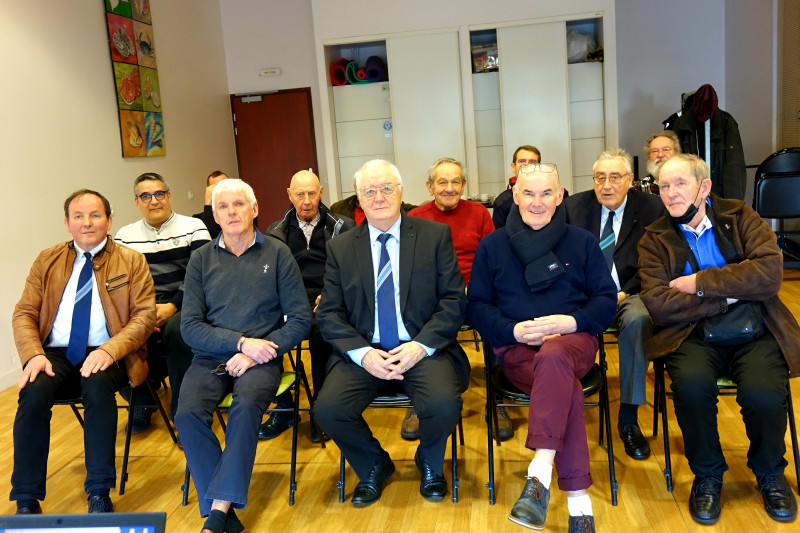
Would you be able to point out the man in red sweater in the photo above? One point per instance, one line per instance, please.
(469, 223)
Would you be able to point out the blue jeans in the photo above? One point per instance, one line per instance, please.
(223, 475)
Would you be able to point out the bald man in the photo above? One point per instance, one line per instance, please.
(305, 228)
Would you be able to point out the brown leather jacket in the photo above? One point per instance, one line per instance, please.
(126, 293)
(663, 254)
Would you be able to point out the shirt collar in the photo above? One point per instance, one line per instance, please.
(302, 223)
(93, 251)
(165, 223)
(618, 211)
(394, 231)
(257, 238)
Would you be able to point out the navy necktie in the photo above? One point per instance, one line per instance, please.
(607, 240)
(81, 314)
(387, 311)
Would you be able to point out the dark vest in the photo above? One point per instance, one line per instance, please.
(310, 258)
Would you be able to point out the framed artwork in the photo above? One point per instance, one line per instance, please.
(132, 47)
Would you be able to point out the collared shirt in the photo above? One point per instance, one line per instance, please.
(221, 241)
(393, 247)
(98, 331)
(307, 227)
(617, 224)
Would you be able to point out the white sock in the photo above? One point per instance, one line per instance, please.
(579, 505)
(541, 471)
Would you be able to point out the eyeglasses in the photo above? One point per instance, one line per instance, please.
(615, 179)
(220, 370)
(387, 189)
(665, 151)
(545, 168)
(147, 197)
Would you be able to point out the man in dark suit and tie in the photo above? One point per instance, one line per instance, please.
(617, 215)
(387, 334)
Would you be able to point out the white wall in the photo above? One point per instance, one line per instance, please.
(61, 128)
(275, 33)
(665, 49)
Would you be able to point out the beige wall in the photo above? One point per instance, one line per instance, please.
(60, 125)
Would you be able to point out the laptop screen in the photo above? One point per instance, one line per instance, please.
(85, 523)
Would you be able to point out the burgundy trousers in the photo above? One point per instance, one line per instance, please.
(552, 372)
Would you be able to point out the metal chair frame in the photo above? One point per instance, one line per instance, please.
(402, 401)
(298, 370)
(726, 388)
(77, 404)
(496, 385)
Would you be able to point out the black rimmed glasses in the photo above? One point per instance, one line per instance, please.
(147, 197)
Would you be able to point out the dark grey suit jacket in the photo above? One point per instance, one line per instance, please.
(641, 210)
(432, 298)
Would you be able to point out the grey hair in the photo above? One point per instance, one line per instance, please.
(671, 135)
(376, 164)
(445, 161)
(233, 185)
(697, 167)
(618, 154)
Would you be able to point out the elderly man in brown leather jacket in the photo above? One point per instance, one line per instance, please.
(87, 304)
(708, 260)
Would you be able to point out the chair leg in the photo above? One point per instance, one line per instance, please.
(221, 420)
(656, 407)
(793, 431)
(161, 410)
(488, 417)
(77, 413)
(662, 401)
(185, 487)
(454, 450)
(460, 430)
(296, 415)
(301, 373)
(605, 411)
(340, 484)
(124, 475)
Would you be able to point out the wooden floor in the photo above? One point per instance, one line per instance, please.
(157, 466)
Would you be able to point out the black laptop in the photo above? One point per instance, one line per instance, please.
(85, 523)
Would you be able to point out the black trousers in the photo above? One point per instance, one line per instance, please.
(434, 390)
(167, 355)
(320, 353)
(32, 424)
(761, 373)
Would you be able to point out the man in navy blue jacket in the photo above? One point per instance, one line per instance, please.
(540, 291)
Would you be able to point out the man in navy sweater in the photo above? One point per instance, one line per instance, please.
(539, 293)
(237, 292)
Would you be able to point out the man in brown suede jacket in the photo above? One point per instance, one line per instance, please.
(707, 258)
(88, 304)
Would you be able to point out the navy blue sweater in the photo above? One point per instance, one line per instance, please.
(499, 297)
(226, 297)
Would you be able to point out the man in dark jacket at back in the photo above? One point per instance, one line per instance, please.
(305, 228)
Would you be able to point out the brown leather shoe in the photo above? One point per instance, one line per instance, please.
(504, 426)
(410, 428)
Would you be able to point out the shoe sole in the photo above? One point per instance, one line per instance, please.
(525, 524)
(409, 436)
(434, 498)
(706, 521)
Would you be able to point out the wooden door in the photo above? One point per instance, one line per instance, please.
(274, 139)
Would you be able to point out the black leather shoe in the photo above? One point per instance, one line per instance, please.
(34, 508)
(369, 490)
(276, 424)
(581, 524)
(531, 508)
(636, 445)
(100, 504)
(704, 499)
(779, 502)
(318, 436)
(432, 486)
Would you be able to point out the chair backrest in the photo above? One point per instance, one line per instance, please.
(777, 185)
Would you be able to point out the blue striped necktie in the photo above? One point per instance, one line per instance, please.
(387, 311)
(607, 240)
(81, 314)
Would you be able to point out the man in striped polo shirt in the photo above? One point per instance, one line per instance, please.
(166, 239)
